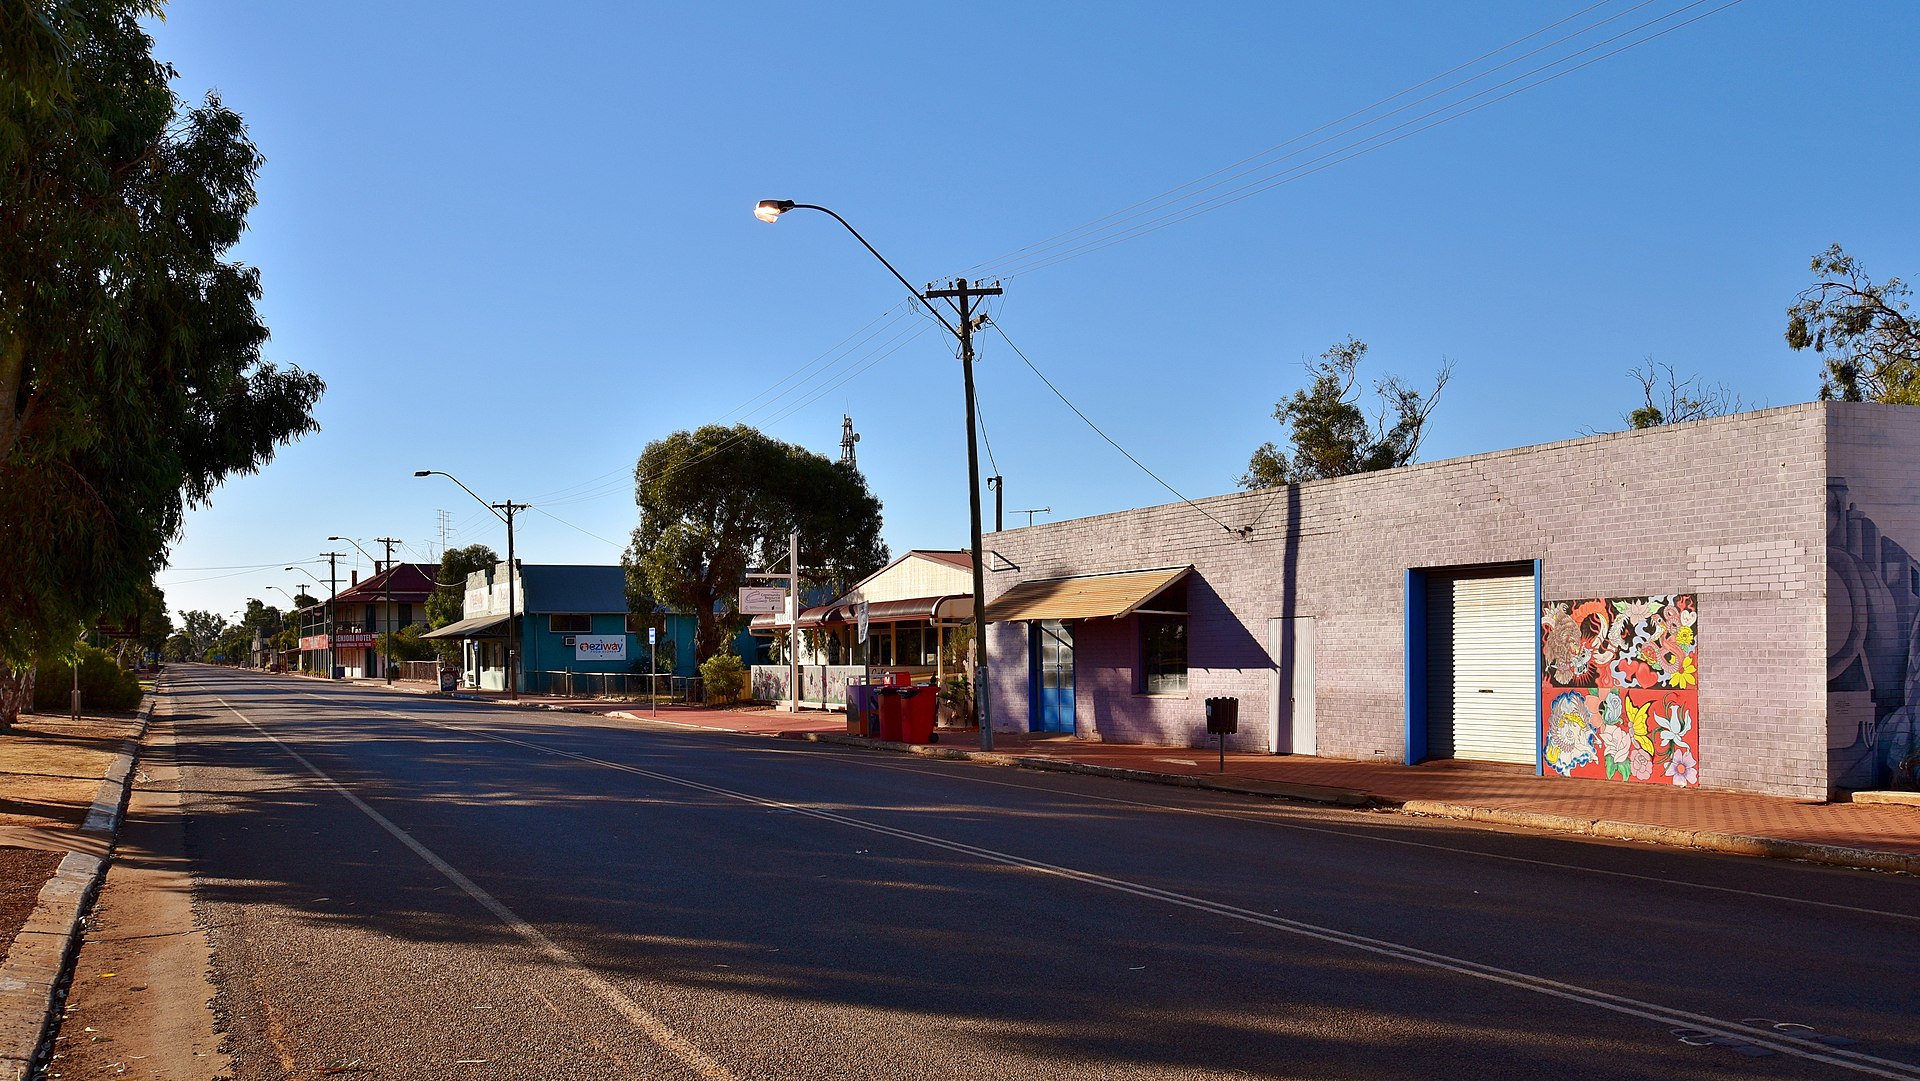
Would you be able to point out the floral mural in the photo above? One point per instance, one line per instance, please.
(1620, 692)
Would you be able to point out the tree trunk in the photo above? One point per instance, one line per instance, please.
(16, 694)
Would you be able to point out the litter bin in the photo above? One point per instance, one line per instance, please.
(916, 714)
(339, 671)
(891, 701)
(859, 706)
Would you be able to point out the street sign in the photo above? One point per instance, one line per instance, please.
(762, 600)
(653, 635)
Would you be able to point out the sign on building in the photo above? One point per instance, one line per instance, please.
(762, 600)
(600, 647)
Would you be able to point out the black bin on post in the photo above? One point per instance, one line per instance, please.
(1223, 720)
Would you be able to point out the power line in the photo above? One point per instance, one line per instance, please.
(1110, 440)
(1041, 260)
(577, 529)
(1088, 226)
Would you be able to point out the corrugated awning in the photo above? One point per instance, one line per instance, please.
(1084, 596)
(469, 628)
(944, 609)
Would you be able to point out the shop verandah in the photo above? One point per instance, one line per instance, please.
(918, 623)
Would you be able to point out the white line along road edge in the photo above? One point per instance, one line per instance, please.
(654, 1029)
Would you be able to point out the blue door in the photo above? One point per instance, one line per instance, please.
(1050, 676)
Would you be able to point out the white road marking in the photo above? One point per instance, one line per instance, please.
(1871, 1065)
(654, 1029)
(1240, 816)
(842, 755)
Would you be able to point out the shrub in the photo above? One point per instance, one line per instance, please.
(724, 677)
(103, 684)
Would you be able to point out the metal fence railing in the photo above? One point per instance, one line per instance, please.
(636, 685)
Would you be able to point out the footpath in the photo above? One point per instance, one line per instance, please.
(1878, 831)
(63, 786)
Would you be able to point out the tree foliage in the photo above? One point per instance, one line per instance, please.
(131, 376)
(1669, 399)
(1862, 328)
(1330, 433)
(718, 500)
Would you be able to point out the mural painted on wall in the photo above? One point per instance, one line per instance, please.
(1620, 694)
(1873, 652)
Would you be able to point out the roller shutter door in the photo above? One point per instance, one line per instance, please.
(1481, 693)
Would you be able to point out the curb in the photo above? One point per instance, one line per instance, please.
(1671, 836)
(1736, 844)
(33, 980)
(1340, 797)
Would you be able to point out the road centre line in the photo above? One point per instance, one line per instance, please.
(1795, 1047)
(1329, 831)
(969, 776)
(654, 1029)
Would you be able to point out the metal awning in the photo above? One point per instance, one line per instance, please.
(1084, 596)
(943, 609)
(469, 628)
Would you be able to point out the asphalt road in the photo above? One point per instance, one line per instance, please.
(417, 888)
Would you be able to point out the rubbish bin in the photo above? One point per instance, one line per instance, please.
(891, 700)
(339, 671)
(859, 706)
(916, 715)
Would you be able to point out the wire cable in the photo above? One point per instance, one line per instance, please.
(1360, 146)
(1110, 440)
(1177, 189)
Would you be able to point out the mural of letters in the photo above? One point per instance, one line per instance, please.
(1620, 695)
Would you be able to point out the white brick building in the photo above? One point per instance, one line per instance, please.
(1737, 598)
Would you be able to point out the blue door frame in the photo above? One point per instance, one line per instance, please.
(1416, 657)
(1050, 672)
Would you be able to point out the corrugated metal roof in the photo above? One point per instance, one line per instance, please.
(470, 628)
(583, 589)
(1086, 596)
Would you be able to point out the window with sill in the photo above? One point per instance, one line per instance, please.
(1163, 655)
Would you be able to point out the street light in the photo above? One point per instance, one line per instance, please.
(513, 623)
(769, 210)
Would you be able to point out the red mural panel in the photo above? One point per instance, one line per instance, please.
(1620, 697)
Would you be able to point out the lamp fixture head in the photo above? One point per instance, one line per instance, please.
(423, 472)
(771, 209)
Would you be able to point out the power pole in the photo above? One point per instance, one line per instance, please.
(999, 486)
(508, 510)
(333, 590)
(963, 294)
(391, 621)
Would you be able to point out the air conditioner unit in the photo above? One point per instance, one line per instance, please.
(567, 641)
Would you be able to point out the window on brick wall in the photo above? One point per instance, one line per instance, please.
(1163, 655)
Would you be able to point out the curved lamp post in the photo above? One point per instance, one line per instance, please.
(513, 623)
(769, 210)
(303, 621)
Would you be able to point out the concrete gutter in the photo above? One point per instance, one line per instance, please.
(33, 980)
(1709, 840)
(1738, 844)
(1312, 793)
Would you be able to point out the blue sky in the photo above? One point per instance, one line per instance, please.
(520, 246)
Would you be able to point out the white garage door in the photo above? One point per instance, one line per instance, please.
(1481, 696)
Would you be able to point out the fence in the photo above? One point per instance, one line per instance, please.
(615, 685)
(424, 671)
